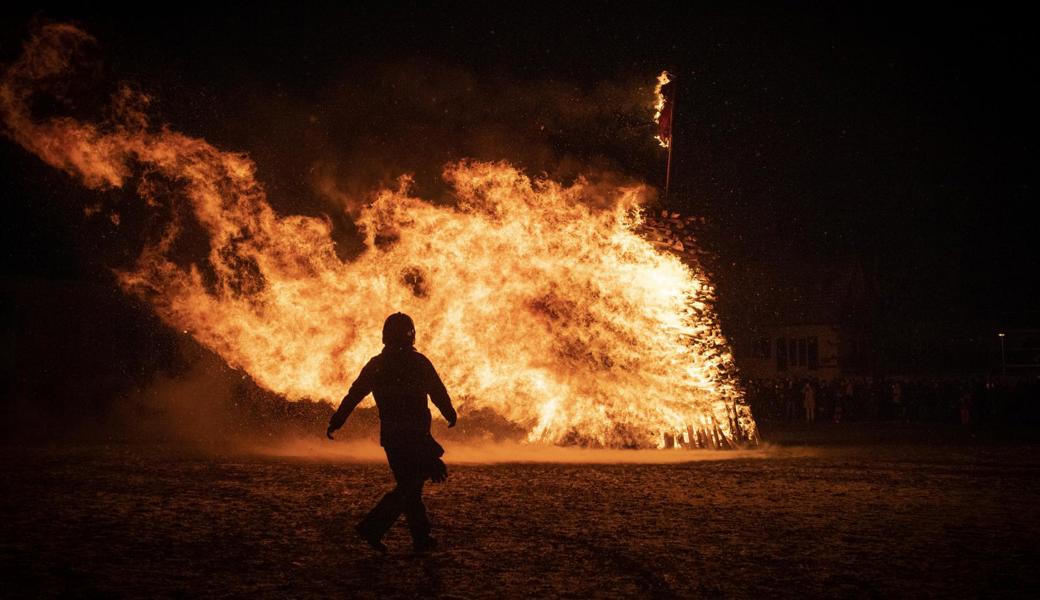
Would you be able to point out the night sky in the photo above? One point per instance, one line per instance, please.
(812, 138)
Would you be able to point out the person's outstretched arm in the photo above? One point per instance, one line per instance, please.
(439, 395)
(361, 387)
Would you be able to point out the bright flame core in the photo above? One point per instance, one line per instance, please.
(536, 300)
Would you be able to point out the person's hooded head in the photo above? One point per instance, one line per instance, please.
(398, 331)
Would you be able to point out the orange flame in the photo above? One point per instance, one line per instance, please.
(659, 103)
(534, 299)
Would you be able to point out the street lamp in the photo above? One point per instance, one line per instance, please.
(1003, 362)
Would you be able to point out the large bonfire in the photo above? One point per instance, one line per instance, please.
(536, 300)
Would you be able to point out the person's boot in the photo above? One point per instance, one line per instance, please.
(373, 540)
(424, 545)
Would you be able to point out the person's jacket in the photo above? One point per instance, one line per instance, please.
(400, 379)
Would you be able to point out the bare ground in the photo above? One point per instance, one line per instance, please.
(952, 517)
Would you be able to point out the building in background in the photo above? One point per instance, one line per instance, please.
(818, 328)
(821, 329)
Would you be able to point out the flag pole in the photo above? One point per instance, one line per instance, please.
(668, 168)
(671, 144)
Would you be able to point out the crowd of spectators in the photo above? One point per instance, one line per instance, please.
(965, 400)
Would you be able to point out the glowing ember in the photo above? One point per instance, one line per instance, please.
(536, 300)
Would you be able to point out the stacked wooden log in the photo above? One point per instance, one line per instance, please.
(674, 233)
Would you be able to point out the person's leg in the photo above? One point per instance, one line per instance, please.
(413, 469)
(381, 518)
(415, 512)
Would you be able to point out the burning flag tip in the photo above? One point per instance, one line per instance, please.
(664, 103)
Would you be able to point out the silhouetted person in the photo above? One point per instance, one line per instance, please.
(897, 401)
(401, 378)
(809, 401)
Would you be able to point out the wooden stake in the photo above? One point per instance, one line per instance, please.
(671, 145)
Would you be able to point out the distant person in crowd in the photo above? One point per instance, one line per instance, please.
(401, 379)
(809, 401)
(839, 403)
(789, 392)
(897, 401)
(965, 406)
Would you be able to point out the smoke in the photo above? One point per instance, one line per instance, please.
(379, 119)
(465, 452)
(196, 406)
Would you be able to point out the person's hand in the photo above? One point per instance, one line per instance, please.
(328, 432)
(438, 471)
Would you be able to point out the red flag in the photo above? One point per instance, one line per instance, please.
(665, 107)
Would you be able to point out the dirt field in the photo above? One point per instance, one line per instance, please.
(952, 517)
